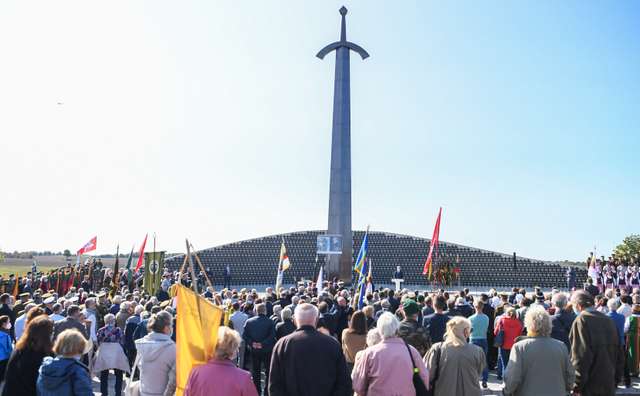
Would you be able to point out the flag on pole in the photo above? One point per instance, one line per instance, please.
(141, 253)
(89, 246)
(433, 247)
(362, 256)
(116, 272)
(197, 332)
(362, 284)
(129, 273)
(16, 284)
(320, 280)
(284, 258)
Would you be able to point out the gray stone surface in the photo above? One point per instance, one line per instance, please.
(340, 182)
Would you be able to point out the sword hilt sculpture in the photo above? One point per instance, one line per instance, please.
(343, 40)
(340, 182)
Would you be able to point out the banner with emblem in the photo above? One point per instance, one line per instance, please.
(153, 269)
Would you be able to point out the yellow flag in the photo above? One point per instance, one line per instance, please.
(197, 323)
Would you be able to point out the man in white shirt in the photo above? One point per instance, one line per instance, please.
(238, 319)
(625, 309)
(22, 321)
(55, 316)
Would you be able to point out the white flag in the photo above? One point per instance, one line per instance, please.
(320, 280)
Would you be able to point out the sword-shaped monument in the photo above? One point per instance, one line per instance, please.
(340, 182)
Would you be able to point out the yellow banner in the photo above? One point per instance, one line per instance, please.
(197, 323)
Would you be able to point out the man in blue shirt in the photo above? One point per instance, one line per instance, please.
(479, 325)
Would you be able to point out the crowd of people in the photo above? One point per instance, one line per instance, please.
(309, 340)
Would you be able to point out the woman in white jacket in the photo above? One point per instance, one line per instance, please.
(157, 357)
(110, 355)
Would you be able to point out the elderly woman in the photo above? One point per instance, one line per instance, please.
(454, 365)
(65, 375)
(110, 355)
(387, 368)
(562, 319)
(157, 357)
(538, 364)
(221, 373)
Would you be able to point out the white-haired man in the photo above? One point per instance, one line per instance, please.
(308, 362)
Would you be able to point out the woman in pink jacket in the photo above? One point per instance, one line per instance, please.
(220, 376)
(512, 328)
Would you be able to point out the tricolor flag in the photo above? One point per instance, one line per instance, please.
(433, 247)
(284, 258)
(89, 246)
(362, 256)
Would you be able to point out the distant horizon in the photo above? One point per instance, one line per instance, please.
(212, 121)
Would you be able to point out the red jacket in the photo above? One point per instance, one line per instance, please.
(512, 328)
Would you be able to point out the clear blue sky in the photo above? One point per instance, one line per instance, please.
(212, 120)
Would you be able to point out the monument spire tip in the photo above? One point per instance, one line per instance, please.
(343, 10)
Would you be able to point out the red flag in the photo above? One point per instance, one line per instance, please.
(89, 246)
(428, 265)
(141, 254)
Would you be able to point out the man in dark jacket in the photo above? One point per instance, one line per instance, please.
(5, 309)
(562, 320)
(260, 337)
(590, 288)
(307, 362)
(436, 323)
(595, 349)
(492, 352)
(411, 331)
(72, 321)
(286, 326)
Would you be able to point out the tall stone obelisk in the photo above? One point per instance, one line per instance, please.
(340, 184)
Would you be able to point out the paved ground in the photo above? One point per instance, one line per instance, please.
(495, 387)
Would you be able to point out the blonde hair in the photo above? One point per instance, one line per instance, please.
(70, 343)
(227, 344)
(455, 331)
(510, 312)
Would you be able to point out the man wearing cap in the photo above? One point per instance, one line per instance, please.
(48, 302)
(410, 330)
(24, 297)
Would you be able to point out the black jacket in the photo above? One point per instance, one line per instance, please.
(308, 363)
(260, 329)
(22, 373)
(561, 326)
(284, 328)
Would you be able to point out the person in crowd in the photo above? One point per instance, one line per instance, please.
(374, 375)
(130, 327)
(115, 304)
(122, 316)
(72, 321)
(260, 337)
(596, 354)
(590, 288)
(307, 362)
(21, 321)
(110, 355)
(385, 306)
(221, 373)
(157, 361)
(436, 323)
(492, 351)
(354, 339)
(479, 326)
(286, 326)
(632, 330)
(369, 312)
(373, 338)
(56, 315)
(6, 308)
(65, 375)
(22, 368)
(6, 345)
(454, 365)
(410, 331)
(562, 319)
(511, 328)
(91, 318)
(538, 364)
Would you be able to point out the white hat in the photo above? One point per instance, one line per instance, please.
(50, 300)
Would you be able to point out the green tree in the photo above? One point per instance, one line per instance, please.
(629, 249)
(67, 253)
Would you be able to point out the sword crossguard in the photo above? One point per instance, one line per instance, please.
(343, 40)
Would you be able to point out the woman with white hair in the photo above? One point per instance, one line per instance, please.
(455, 365)
(538, 364)
(110, 355)
(387, 368)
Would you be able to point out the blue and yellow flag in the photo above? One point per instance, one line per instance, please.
(360, 265)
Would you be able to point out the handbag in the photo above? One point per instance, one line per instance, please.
(132, 387)
(421, 389)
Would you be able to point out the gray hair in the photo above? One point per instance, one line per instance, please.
(160, 321)
(388, 325)
(109, 319)
(138, 310)
(306, 314)
(559, 300)
(612, 304)
(261, 309)
(538, 321)
(373, 337)
(286, 314)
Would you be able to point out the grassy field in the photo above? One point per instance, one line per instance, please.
(45, 263)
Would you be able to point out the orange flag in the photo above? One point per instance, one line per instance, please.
(428, 265)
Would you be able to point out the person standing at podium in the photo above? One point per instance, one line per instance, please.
(398, 274)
